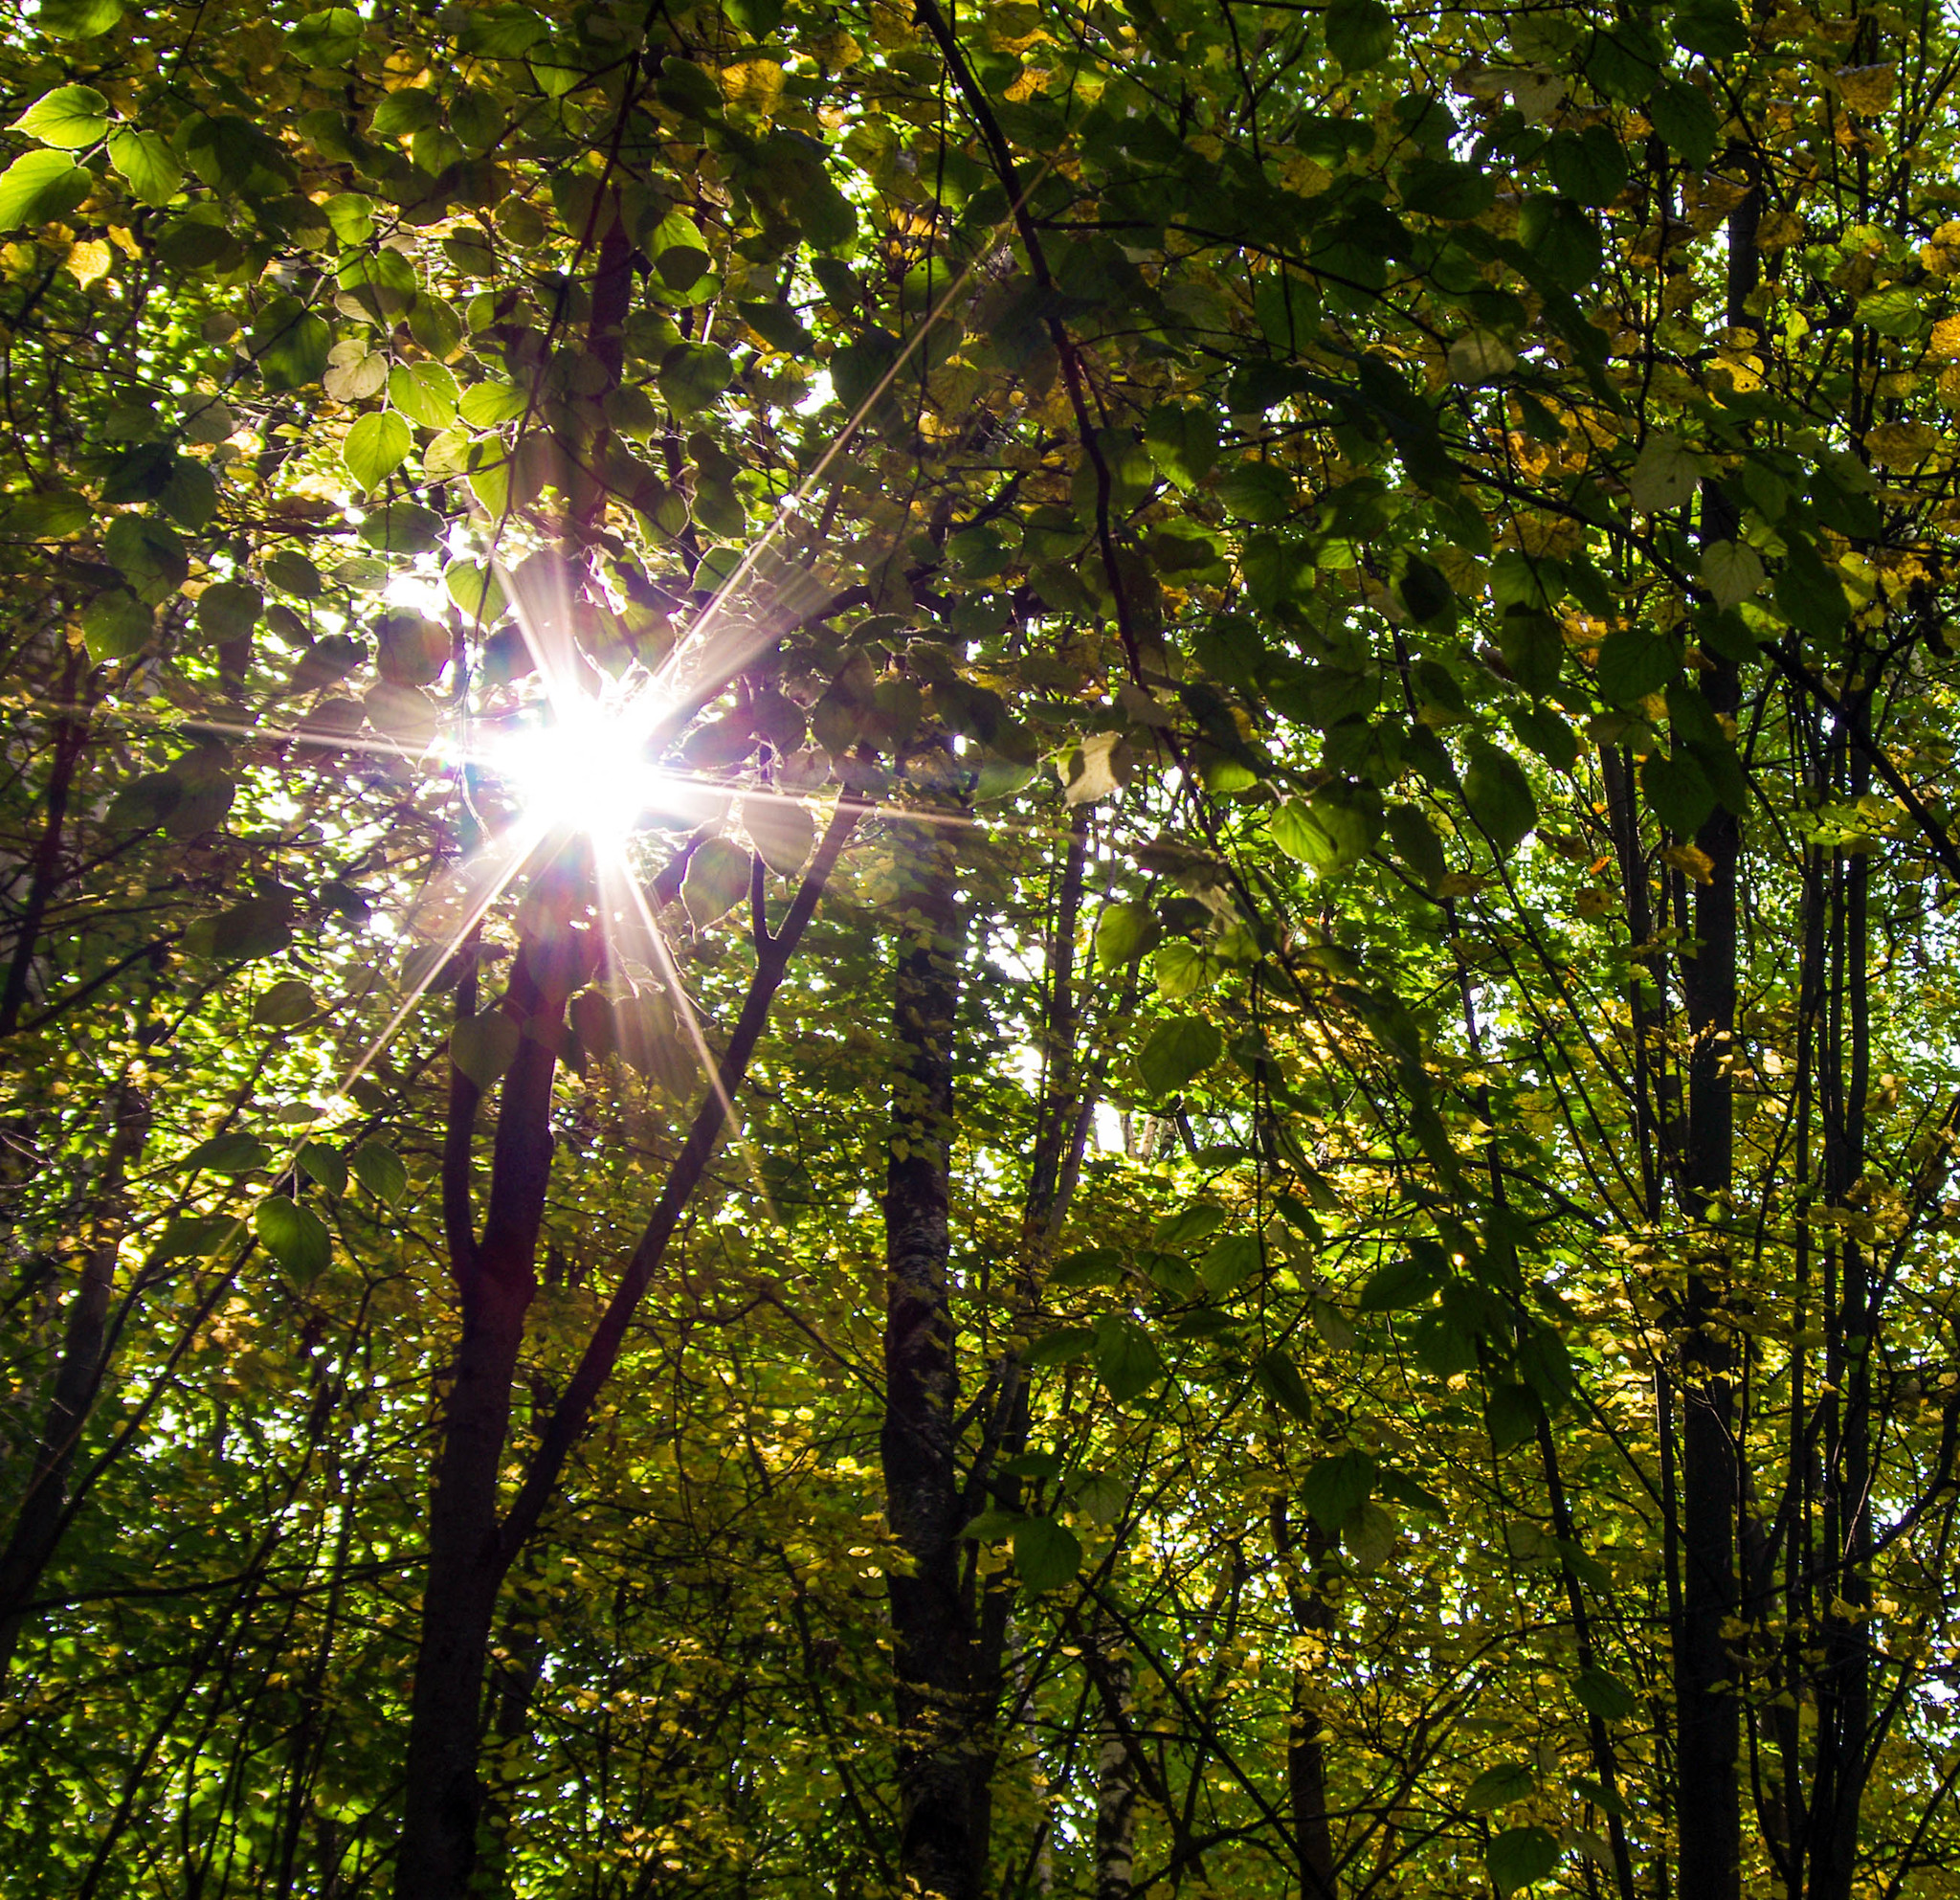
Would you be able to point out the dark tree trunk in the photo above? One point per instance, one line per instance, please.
(78, 1378)
(919, 1443)
(1306, 1761)
(71, 738)
(495, 1280)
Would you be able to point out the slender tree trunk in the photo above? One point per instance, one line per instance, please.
(1306, 1760)
(78, 1378)
(70, 737)
(1116, 1771)
(496, 1280)
(919, 1443)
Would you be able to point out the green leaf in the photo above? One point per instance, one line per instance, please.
(376, 446)
(1331, 831)
(290, 344)
(1127, 1360)
(1715, 28)
(1589, 166)
(260, 927)
(1603, 1694)
(379, 1170)
(327, 39)
(1123, 932)
(1335, 1487)
(192, 1237)
(1808, 595)
(485, 1046)
(151, 557)
(694, 374)
(718, 879)
(1512, 1415)
(403, 528)
(1665, 474)
(991, 1525)
(1279, 1379)
(294, 1235)
(78, 19)
(1257, 491)
(115, 625)
(323, 1164)
(229, 611)
(1047, 1554)
(474, 588)
(1176, 1051)
(1519, 1857)
(782, 831)
(1500, 795)
(40, 187)
(1561, 241)
(70, 117)
(229, 1154)
(1732, 572)
(425, 393)
(1678, 791)
(1062, 1344)
(1682, 114)
(1402, 1284)
(487, 405)
(1360, 33)
(285, 1003)
(1369, 1535)
(1182, 442)
(1500, 1787)
(1633, 663)
(1228, 1264)
(1188, 1225)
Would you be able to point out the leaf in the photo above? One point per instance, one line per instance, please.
(229, 611)
(1500, 1787)
(1331, 831)
(151, 557)
(78, 19)
(1228, 1264)
(40, 187)
(324, 1165)
(1182, 442)
(1481, 357)
(294, 1236)
(326, 38)
(379, 1170)
(1732, 572)
(1334, 1488)
(474, 588)
(1603, 1694)
(1279, 1379)
(485, 1046)
(70, 117)
(1369, 1535)
(1402, 1284)
(403, 528)
(376, 446)
(1126, 1359)
(1634, 662)
(1500, 795)
(1123, 932)
(694, 374)
(716, 880)
(1188, 1225)
(1518, 1856)
(1665, 472)
(1047, 1554)
(1678, 791)
(1176, 1051)
(1589, 166)
(1062, 1344)
(782, 831)
(1512, 1416)
(285, 1003)
(1360, 33)
(1097, 769)
(1682, 114)
(115, 625)
(1257, 491)
(229, 1154)
(290, 344)
(425, 393)
(191, 1236)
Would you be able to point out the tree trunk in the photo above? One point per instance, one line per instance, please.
(37, 1524)
(919, 1443)
(495, 1280)
(1116, 1772)
(1306, 1764)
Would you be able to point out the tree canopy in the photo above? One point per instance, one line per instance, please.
(984, 952)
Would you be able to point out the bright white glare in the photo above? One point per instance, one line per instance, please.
(586, 771)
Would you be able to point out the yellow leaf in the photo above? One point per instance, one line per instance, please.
(1779, 231)
(1868, 89)
(1902, 444)
(1945, 337)
(754, 83)
(89, 261)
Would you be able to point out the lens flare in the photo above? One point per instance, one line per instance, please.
(586, 771)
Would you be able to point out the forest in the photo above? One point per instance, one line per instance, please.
(988, 952)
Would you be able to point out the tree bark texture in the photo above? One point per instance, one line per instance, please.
(919, 1440)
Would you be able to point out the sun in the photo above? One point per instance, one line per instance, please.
(587, 771)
